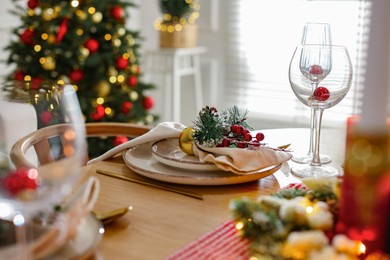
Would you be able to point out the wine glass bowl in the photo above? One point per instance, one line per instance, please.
(320, 77)
(27, 188)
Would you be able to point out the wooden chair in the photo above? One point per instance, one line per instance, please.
(39, 140)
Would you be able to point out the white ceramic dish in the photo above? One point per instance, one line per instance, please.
(140, 160)
(167, 151)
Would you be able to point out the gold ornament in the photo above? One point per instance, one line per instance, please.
(133, 96)
(103, 88)
(186, 140)
(112, 71)
(51, 39)
(48, 63)
(48, 14)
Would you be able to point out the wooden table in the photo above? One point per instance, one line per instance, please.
(162, 222)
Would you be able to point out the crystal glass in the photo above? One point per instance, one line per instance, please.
(25, 192)
(314, 33)
(320, 77)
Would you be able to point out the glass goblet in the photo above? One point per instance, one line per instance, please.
(26, 191)
(320, 77)
(314, 33)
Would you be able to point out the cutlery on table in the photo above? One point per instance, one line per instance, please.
(160, 186)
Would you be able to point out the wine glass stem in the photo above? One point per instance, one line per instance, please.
(317, 126)
(310, 152)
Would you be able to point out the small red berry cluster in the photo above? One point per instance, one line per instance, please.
(240, 137)
(20, 180)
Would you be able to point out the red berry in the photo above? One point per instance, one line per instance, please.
(239, 130)
(233, 128)
(76, 75)
(241, 144)
(246, 131)
(316, 70)
(321, 94)
(226, 142)
(260, 137)
(20, 180)
(255, 143)
(247, 137)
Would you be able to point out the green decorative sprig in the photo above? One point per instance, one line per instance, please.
(210, 127)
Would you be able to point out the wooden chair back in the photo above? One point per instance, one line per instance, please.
(39, 140)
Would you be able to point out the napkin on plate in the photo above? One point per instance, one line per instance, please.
(161, 131)
(241, 161)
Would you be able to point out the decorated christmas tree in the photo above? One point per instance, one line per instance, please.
(84, 43)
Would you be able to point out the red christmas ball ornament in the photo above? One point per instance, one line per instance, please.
(121, 63)
(120, 139)
(92, 45)
(36, 83)
(20, 180)
(99, 113)
(32, 4)
(27, 37)
(316, 70)
(132, 81)
(45, 117)
(148, 102)
(19, 75)
(76, 75)
(321, 94)
(116, 12)
(126, 107)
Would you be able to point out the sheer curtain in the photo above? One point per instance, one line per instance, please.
(261, 37)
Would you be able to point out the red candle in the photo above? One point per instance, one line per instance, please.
(364, 210)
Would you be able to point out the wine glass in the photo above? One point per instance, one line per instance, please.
(25, 192)
(314, 33)
(320, 77)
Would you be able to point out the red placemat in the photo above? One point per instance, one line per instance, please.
(224, 242)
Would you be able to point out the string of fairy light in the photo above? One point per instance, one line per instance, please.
(169, 23)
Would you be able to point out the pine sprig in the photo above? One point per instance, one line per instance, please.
(236, 116)
(209, 127)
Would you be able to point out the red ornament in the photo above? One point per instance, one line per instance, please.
(121, 63)
(92, 45)
(148, 102)
(76, 75)
(116, 12)
(36, 83)
(126, 107)
(62, 30)
(45, 117)
(132, 81)
(19, 75)
(321, 94)
(120, 139)
(27, 37)
(21, 179)
(316, 70)
(32, 4)
(99, 113)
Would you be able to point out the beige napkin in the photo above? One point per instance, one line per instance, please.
(161, 131)
(241, 161)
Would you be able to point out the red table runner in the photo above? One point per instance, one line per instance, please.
(224, 242)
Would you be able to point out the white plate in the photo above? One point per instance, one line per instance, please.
(168, 152)
(81, 245)
(140, 160)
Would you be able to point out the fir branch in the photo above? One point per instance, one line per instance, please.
(209, 128)
(235, 116)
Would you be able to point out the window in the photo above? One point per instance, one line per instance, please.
(261, 38)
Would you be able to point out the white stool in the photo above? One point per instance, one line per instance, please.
(173, 64)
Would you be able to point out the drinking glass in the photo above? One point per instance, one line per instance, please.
(314, 33)
(320, 77)
(25, 192)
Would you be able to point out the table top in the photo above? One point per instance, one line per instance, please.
(162, 222)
